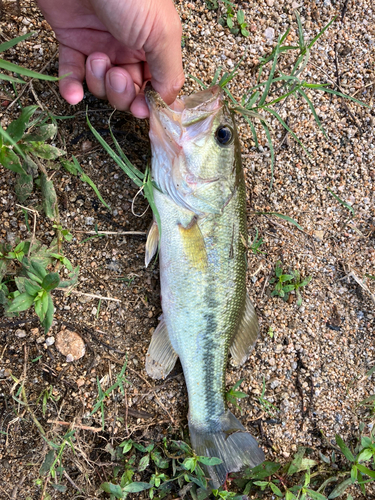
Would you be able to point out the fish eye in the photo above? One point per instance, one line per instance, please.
(224, 135)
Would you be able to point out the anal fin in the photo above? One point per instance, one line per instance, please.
(160, 357)
(246, 334)
(152, 242)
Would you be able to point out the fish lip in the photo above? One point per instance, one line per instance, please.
(154, 101)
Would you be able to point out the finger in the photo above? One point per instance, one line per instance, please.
(71, 62)
(139, 107)
(163, 55)
(97, 65)
(120, 88)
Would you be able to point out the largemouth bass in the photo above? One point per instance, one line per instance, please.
(201, 201)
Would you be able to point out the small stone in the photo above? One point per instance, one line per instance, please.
(296, 5)
(279, 348)
(20, 334)
(40, 339)
(270, 3)
(4, 373)
(94, 311)
(319, 235)
(50, 340)
(89, 221)
(80, 382)
(86, 146)
(269, 34)
(275, 383)
(70, 344)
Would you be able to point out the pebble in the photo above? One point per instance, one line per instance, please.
(269, 34)
(70, 344)
(20, 334)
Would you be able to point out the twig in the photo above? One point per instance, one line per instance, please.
(15, 489)
(75, 426)
(90, 295)
(71, 481)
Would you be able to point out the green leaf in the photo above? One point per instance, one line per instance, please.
(31, 287)
(210, 461)
(24, 186)
(300, 31)
(51, 281)
(45, 151)
(346, 205)
(310, 44)
(272, 72)
(281, 216)
(86, 178)
(343, 447)
(366, 470)
(159, 461)
(339, 490)
(19, 70)
(315, 495)
(42, 133)
(36, 268)
(10, 160)
(47, 322)
(69, 166)
(311, 106)
(144, 463)
(365, 455)
(126, 446)
(113, 489)
(73, 278)
(244, 32)
(9, 78)
(137, 487)
(47, 464)
(275, 489)
(366, 441)
(11, 43)
(59, 487)
(17, 128)
(49, 197)
(285, 277)
(21, 303)
(297, 461)
(241, 17)
(229, 22)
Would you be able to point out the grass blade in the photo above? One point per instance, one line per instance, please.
(253, 131)
(300, 31)
(270, 78)
(346, 205)
(115, 156)
(311, 105)
(203, 85)
(335, 92)
(19, 70)
(276, 115)
(281, 216)
(216, 76)
(11, 78)
(11, 43)
(310, 44)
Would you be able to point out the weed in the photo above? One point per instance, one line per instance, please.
(285, 283)
(229, 18)
(277, 88)
(255, 245)
(270, 332)
(102, 395)
(266, 405)
(233, 395)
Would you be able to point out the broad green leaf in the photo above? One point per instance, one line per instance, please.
(46, 151)
(365, 455)
(47, 464)
(244, 32)
(73, 278)
(24, 186)
(39, 309)
(339, 490)
(49, 197)
(343, 447)
(21, 303)
(241, 16)
(315, 495)
(366, 470)
(19, 70)
(51, 281)
(275, 489)
(366, 441)
(160, 462)
(137, 487)
(47, 322)
(144, 463)
(59, 487)
(31, 287)
(126, 446)
(113, 489)
(10, 160)
(17, 128)
(297, 461)
(36, 267)
(69, 166)
(42, 133)
(11, 43)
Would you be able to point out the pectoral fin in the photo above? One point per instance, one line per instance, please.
(152, 242)
(246, 335)
(193, 244)
(160, 357)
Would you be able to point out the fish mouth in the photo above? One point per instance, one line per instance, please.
(186, 109)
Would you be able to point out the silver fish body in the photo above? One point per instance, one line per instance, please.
(201, 203)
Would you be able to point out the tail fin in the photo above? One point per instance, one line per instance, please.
(231, 443)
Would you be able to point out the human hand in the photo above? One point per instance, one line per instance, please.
(117, 45)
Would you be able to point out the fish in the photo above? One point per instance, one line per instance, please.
(199, 234)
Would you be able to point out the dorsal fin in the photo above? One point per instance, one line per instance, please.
(246, 334)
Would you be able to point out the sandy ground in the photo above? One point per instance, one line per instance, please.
(314, 364)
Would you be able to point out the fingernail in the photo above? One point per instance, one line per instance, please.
(117, 82)
(99, 68)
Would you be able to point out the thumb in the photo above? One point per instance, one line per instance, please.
(163, 55)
